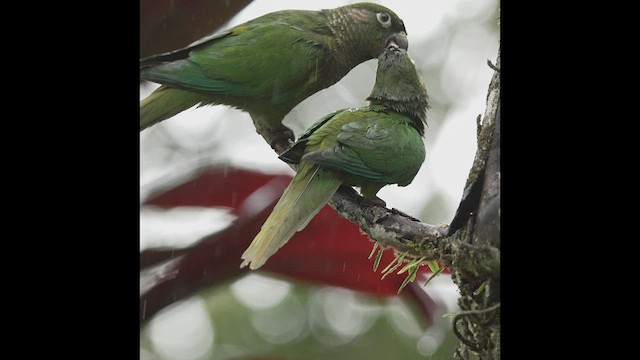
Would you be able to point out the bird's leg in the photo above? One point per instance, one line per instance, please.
(370, 198)
(280, 139)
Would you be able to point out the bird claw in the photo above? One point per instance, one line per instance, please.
(281, 140)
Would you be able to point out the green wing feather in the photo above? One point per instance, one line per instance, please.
(294, 154)
(375, 145)
(241, 61)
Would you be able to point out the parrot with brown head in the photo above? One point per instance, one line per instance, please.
(270, 64)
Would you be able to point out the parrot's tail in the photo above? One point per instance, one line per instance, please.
(307, 193)
(164, 103)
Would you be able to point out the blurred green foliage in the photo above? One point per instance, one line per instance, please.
(304, 322)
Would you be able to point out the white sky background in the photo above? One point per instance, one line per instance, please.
(219, 134)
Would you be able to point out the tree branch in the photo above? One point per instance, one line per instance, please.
(394, 228)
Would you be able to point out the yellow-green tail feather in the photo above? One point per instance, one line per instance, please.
(164, 103)
(307, 193)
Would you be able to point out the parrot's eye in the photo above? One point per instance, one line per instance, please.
(384, 19)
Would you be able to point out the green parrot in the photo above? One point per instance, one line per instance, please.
(367, 147)
(268, 65)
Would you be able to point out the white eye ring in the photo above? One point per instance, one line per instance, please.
(384, 19)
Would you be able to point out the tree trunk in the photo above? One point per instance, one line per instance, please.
(476, 228)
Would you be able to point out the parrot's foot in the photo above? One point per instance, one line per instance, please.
(279, 137)
(280, 140)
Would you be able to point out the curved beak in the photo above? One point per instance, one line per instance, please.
(398, 39)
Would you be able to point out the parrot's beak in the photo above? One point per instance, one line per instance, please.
(399, 40)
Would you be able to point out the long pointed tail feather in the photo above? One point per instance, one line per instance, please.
(307, 193)
(164, 103)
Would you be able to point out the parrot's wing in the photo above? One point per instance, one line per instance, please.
(182, 53)
(295, 152)
(381, 148)
(271, 58)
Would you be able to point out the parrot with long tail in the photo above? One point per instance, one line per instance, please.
(268, 65)
(367, 147)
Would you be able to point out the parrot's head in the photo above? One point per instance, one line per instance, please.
(400, 87)
(369, 28)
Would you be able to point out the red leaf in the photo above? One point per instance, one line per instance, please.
(217, 187)
(170, 25)
(330, 250)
